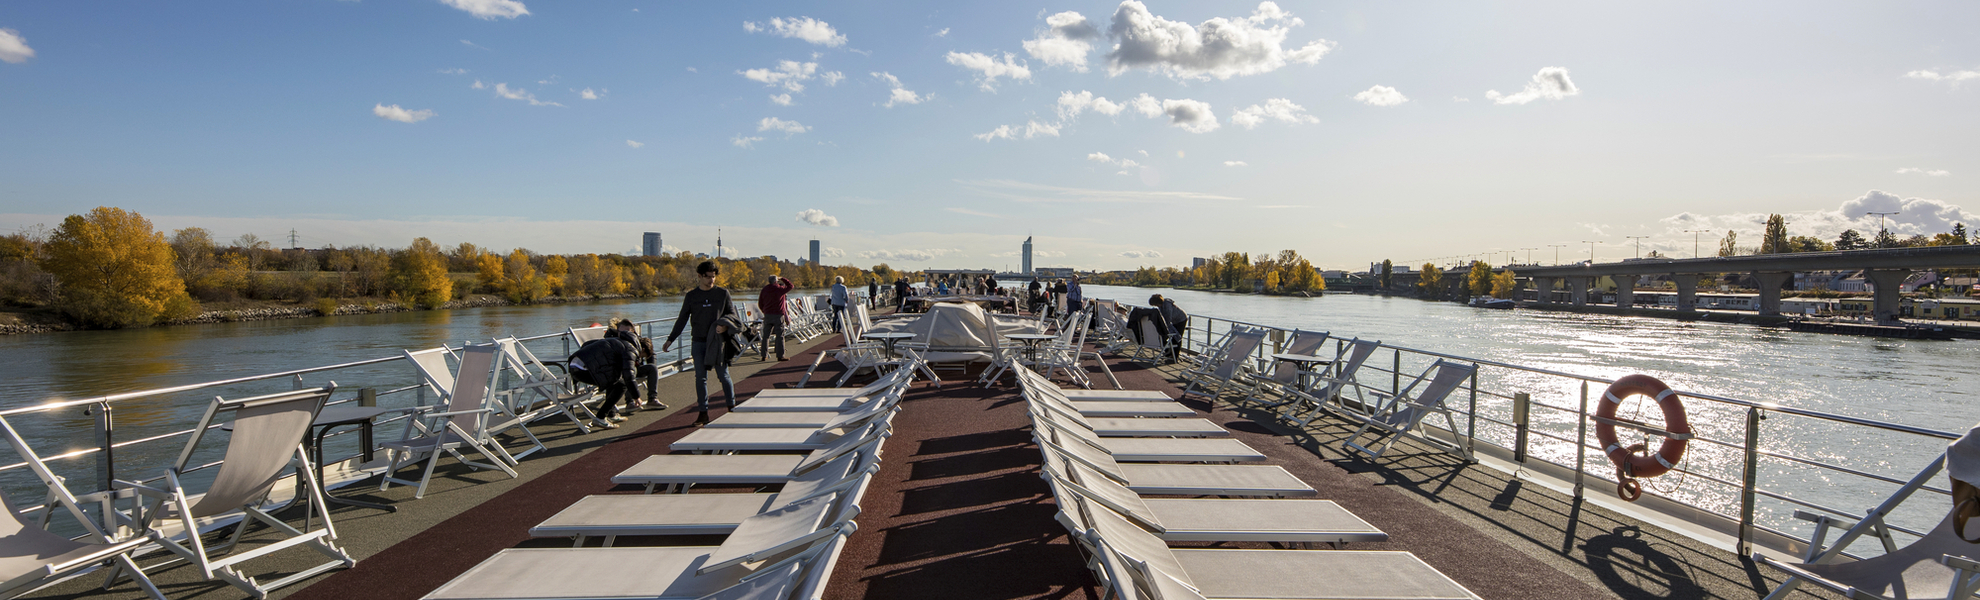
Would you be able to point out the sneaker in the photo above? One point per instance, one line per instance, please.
(656, 405)
(609, 425)
(618, 418)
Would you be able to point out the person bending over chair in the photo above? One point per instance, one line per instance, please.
(1177, 320)
(647, 370)
(607, 363)
(703, 306)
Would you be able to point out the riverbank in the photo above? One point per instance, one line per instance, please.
(1205, 288)
(46, 321)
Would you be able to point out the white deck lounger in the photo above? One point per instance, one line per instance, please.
(1134, 560)
(1032, 380)
(1148, 449)
(766, 545)
(1260, 481)
(617, 515)
(763, 439)
(1135, 427)
(1210, 519)
(763, 469)
(812, 419)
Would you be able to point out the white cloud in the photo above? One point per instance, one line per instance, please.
(801, 28)
(454, 71)
(1143, 152)
(830, 252)
(474, 45)
(1071, 104)
(776, 124)
(1278, 109)
(744, 142)
(1954, 76)
(1192, 115)
(973, 213)
(1931, 172)
(817, 217)
(1029, 130)
(780, 99)
(503, 90)
(1220, 47)
(1380, 95)
(1019, 191)
(693, 70)
(633, 144)
(900, 93)
(394, 113)
(1236, 163)
(1067, 39)
(1047, 253)
(989, 68)
(1101, 157)
(13, 47)
(943, 33)
(832, 78)
(787, 73)
(1141, 254)
(1551, 83)
(589, 94)
(489, 9)
(1915, 216)
(478, 85)
(908, 255)
(1460, 99)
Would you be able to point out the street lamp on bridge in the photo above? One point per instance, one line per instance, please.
(1639, 243)
(1529, 254)
(1694, 239)
(1557, 252)
(1591, 250)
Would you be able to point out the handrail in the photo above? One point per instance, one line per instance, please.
(1746, 488)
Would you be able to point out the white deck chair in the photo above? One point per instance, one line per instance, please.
(462, 426)
(748, 439)
(803, 535)
(1939, 565)
(34, 557)
(1047, 393)
(267, 439)
(1289, 520)
(852, 354)
(1137, 565)
(580, 335)
(1145, 449)
(826, 399)
(1333, 384)
(1233, 369)
(614, 515)
(1131, 427)
(1116, 395)
(1402, 415)
(541, 394)
(1260, 481)
(1286, 376)
(679, 471)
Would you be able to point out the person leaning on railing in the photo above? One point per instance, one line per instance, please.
(702, 306)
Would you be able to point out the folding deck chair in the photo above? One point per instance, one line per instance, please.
(1939, 565)
(766, 439)
(267, 439)
(1095, 395)
(1103, 408)
(1402, 415)
(34, 557)
(1287, 376)
(462, 426)
(1231, 369)
(541, 394)
(1335, 381)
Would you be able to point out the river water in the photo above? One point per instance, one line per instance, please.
(1924, 383)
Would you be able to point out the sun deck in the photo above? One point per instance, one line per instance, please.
(958, 510)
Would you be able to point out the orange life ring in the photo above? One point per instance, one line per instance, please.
(1632, 464)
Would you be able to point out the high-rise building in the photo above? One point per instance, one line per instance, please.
(1027, 255)
(814, 252)
(1197, 262)
(650, 245)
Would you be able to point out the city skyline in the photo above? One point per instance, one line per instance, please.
(919, 136)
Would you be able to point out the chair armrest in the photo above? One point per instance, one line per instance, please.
(141, 489)
(458, 412)
(1960, 562)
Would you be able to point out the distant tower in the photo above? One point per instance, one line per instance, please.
(1027, 255)
(814, 252)
(650, 244)
(718, 242)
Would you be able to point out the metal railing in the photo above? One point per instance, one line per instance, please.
(1532, 417)
(107, 457)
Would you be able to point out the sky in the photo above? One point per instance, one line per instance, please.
(940, 135)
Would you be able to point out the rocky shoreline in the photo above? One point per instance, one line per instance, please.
(300, 312)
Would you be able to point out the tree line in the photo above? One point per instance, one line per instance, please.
(1285, 272)
(110, 268)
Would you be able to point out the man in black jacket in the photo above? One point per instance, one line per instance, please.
(607, 363)
(647, 370)
(702, 306)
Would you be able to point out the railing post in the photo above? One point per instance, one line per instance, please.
(1395, 376)
(1750, 483)
(1520, 402)
(1581, 443)
(106, 440)
(368, 397)
(1471, 422)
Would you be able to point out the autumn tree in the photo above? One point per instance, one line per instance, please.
(419, 274)
(1480, 278)
(1430, 280)
(1730, 245)
(555, 271)
(488, 271)
(1503, 284)
(1775, 241)
(520, 283)
(466, 258)
(115, 270)
(1850, 240)
(1388, 272)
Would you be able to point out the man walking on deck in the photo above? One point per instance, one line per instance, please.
(838, 301)
(771, 301)
(702, 306)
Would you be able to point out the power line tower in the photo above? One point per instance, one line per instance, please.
(292, 240)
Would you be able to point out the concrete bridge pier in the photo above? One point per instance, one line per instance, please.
(1625, 290)
(1545, 287)
(1770, 291)
(1884, 296)
(1578, 290)
(1687, 290)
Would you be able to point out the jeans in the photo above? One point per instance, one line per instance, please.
(773, 330)
(837, 310)
(613, 390)
(708, 356)
(651, 375)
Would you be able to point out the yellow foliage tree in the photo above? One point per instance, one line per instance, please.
(737, 276)
(115, 270)
(1430, 279)
(520, 283)
(555, 269)
(419, 274)
(644, 280)
(1503, 284)
(488, 270)
(1480, 278)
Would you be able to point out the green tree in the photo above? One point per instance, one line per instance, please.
(1776, 239)
(419, 274)
(1236, 270)
(1885, 239)
(1850, 240)
(1430, 280)
(1388, 272)
(1730, 245)
(1480, 278)
(1959, 232)
(1807, 243)
(115, 270)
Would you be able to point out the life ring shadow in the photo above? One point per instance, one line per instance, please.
(1632, 567)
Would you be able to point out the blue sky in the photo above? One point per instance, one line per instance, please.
(1350, 131)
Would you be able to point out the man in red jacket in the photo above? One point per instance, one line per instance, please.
(771, 300)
